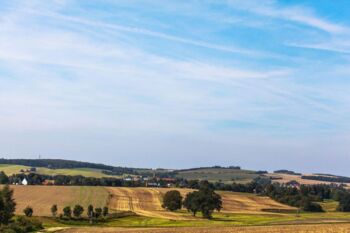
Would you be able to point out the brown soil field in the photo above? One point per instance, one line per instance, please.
(41, 198)
(322, 228)
(147, 201)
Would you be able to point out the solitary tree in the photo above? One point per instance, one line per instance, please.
(77, 211)
(67, 211)
(90, 212)
(172, 200)
(105, 211)
(7, 205)
(3, 178)
(54, 210)
(28, 211)
(344, 202)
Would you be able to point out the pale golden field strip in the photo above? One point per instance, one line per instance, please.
(147, 202)
(41, 198)
(322, 228)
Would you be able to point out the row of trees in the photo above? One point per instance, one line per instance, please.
(205, 200)
(78, 210)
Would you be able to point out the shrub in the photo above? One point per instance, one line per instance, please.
(77, 211)
(67, 212)
(28, 211)
(54, 210)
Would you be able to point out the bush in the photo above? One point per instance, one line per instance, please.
(78, 210)
(105, 211)
(28, 211)
(67, 212)
(22, 225)
(54, 210)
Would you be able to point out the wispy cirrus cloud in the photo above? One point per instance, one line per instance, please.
(106, 76)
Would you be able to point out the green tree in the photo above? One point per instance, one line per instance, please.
(172, 200)
(90, 213)
(344, 203)
(28, 211)
(77, 211)
(205, 200)
(98, 212)
(3, 178)
(8, 205)
(192, 202)
(54, 210)
(105, 211)
(67, 211)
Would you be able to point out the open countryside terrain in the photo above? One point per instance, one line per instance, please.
(142, 201)
(239, 209)
(10, 169)
(213, 174)
(285, 178)
(147, 202)
(225, 175)
(324, 228)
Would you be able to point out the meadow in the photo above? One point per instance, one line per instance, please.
(87, 172)
(218, 174)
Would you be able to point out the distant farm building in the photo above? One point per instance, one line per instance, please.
(24, 182)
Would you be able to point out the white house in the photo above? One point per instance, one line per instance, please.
(24, 181)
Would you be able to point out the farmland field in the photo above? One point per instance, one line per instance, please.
(284, 178)
(218, 174)
(147, 202)
(41, 198)
(142, 201)
(87, 172)
(324, 228)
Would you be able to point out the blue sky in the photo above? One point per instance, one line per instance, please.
(261, 84)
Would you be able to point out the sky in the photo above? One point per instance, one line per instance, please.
(260, 84)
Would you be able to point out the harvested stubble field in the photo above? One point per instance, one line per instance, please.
(41, 198)
(323, 228)
(142, 201)
(147, 202)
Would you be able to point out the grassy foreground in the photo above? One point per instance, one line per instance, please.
(219, 220)
(324, 228)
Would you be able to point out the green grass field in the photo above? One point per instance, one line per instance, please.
(219, 219)
(12, 169)
(88, 172)
(218, 174)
